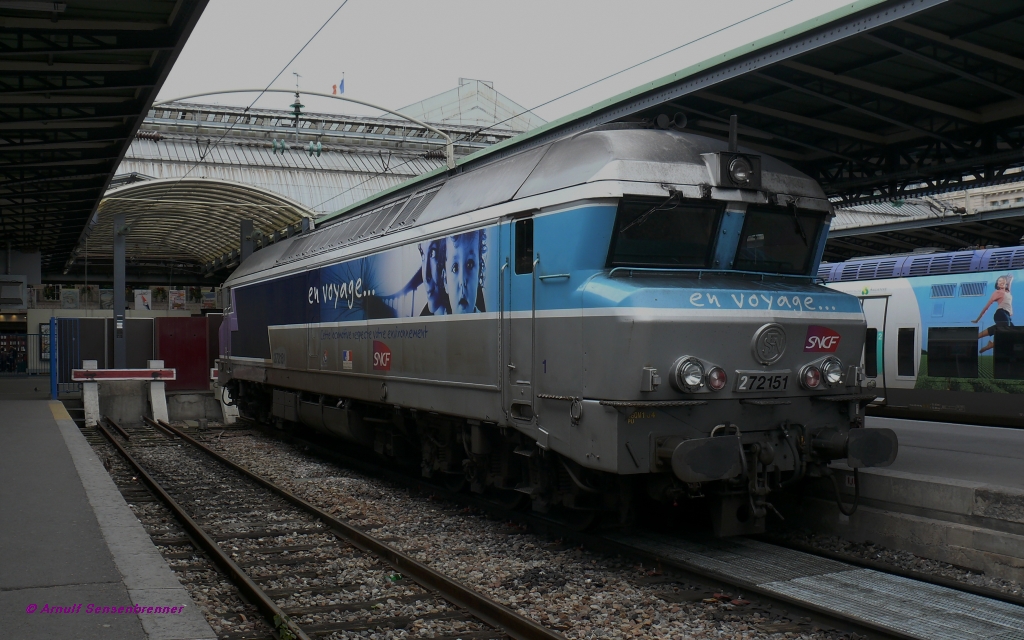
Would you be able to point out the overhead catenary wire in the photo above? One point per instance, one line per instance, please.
(577, 90)
(629, 68)
(215, 143)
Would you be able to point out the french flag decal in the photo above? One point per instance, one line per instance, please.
(346, 359)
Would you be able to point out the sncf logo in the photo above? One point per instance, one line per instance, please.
(381, 356)
(821, 339)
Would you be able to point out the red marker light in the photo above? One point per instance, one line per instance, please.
(717, 379)
(811, 377)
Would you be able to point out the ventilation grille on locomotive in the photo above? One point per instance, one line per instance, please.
(389, 218)
(972, 289)
(943, 290)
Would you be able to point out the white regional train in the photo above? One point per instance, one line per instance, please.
(941, 338)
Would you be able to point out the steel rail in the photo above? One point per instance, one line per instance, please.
(279, 620)
(599, 543)
(491, 612)
(117, 427)
(159, 427)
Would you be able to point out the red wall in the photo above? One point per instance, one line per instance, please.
(182, 344)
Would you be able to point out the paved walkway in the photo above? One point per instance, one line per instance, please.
(67, 537)
(992, 455)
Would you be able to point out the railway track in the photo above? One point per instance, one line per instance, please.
(276, 547)
(866, 598)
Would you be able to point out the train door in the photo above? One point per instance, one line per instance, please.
(872, 361)
(521, 321)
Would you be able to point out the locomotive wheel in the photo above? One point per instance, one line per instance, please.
(454, 482)
(506, 498)
(576, 519)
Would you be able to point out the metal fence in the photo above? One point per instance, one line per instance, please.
(24, 354)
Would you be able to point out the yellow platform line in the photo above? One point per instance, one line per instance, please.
(58, 410)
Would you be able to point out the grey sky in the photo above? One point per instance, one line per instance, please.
(396, 52)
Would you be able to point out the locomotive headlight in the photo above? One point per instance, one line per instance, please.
(717, 379)
(740, 170)
(810, 377)
(689, 374)
(832, 369)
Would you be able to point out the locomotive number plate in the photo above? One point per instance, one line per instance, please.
(762, 381)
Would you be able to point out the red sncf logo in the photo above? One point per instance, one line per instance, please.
(821, 339)
(381, 356)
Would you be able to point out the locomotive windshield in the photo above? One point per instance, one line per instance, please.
(778, 240)
(655, 232)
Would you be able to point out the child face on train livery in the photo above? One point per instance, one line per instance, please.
(462, 271)
(433, 265)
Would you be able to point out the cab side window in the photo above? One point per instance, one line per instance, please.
(524, 246)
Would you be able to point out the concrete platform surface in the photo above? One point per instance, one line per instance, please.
(991, 455)
(68, 538)
(955, 494)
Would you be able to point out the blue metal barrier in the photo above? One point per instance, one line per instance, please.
(53, 358)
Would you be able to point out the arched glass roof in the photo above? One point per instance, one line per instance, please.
(193, 221)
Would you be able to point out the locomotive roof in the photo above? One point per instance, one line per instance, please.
(624, 154)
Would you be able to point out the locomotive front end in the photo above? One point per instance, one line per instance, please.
(740, 388)
(725, 371)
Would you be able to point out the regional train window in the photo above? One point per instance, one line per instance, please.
(660, 232)
(905, 352)
(952, 352)
(524, 246)
(1008, 353)
(778, 240)
(871, 354)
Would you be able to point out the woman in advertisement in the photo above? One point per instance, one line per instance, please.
(1003, 300)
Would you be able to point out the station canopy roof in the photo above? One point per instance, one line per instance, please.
(188, 224)
(880, 100)
(912, 225)
(76, 79)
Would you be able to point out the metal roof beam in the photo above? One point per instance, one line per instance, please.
(815, 123)
(925, 103)
(990, 21)
(782, 153)
(42, 82)
(951, 239)
(859, 109)
(938, 64)
(63, 24)
(969, 47)
(30, 43)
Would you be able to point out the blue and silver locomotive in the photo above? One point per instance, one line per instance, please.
(627, 312)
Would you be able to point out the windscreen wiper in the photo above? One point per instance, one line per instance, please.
(796, 220)
(643, 217)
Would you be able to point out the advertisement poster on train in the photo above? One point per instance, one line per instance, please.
(969, 340)
(443, 276)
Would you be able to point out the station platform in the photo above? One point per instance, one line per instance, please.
(68, 538)
(955, 493)
(990, 455)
